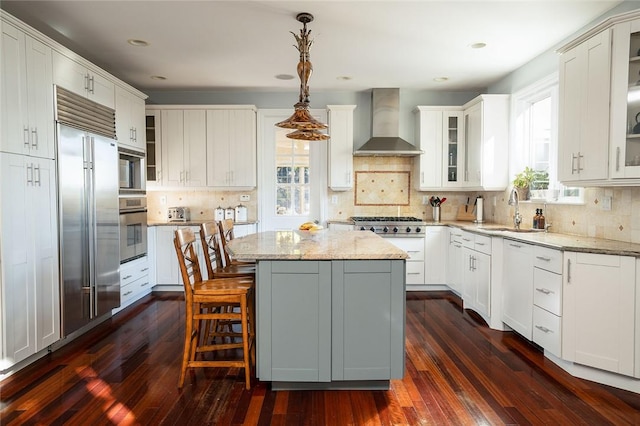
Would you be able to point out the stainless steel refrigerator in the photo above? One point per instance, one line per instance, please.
(87, 156)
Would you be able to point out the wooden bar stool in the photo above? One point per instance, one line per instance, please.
(214, 256)
(206, 301)
(226, 235)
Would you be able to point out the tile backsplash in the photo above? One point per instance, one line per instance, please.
(201, 203)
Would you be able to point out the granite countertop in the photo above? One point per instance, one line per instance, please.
(192, 223)
(554, 240)
(314, 245)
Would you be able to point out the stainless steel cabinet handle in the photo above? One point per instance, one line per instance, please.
(25, 134)
(413, 273)
(144, 269)
(568, 271)
(544, 290)
(515, 245)
(36, 175)
(580, 168)
(546, 259)
(617, 159)
(127, 277)
(573, 161)
(128, 293)
(30, 174)
(91, 85)
(144, 284)
(34, 138)
(86, 82)
(480, 244)
(543, 329)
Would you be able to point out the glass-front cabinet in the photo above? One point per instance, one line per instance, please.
(153, 146)
(452, 123)
(625, 102)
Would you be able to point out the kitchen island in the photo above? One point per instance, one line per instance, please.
(330, 308)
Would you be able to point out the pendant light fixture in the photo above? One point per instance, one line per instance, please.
(304, 125)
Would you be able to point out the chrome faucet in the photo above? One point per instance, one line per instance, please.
(513, 201)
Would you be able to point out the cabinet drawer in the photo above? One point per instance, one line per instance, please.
(547, 330)
(482, 243)
(415, 272)
(468, 240)
(549, 259)
(133, 290)
(547, 290)
(134, 270)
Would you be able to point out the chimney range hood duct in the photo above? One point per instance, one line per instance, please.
(385, 105)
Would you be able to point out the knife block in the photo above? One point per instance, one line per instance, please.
(466, 215)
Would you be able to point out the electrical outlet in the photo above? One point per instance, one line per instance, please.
(163, 200)
(334, 199)
(606, 203)
(245, 197)
(425, 200)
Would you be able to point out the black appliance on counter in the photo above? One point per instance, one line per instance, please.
(391, 226)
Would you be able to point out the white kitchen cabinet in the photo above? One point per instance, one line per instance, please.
(517, 287)
(486, 136)
(599, 311)
(455, 261)
(547, 299)
(476, 265)
(26, 95)
(625, 101)
(184, 147)
(341, 226)
(340, 164)
(30, 287)
(231, 147)
(153, 136)
(440, 135)
(163, 261)
(415, 262)
(435, 255)
(82, 80)
(583, 136)
(134, 282)
(130, 120)
(242, 229)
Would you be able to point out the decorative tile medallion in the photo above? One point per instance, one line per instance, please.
(382, 188)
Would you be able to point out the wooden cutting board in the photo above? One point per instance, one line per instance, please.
(466, 215)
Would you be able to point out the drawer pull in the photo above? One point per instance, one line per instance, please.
(515, 245)
(144, 269)
(127, 277)
(144, 284)
(544, 290)
(546, 259)
(413, 251)
(543, 329)
(466, 239)
(480, 244)
(413, 273)
(128, 293)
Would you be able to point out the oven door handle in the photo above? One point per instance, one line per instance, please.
(127, 211)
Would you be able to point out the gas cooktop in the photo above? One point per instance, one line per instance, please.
(385, 219)
(391, 226)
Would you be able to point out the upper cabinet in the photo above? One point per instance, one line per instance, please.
(27, 95)
(341, 147)
(207, 146)
(82, 80)
(465, 148)
(130, 120)
(625, 101)
(231, 147)
(599, 105)
(583, 148)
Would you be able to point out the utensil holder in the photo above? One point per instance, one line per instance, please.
(436, 213)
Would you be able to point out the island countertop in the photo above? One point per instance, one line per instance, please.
(314, 245)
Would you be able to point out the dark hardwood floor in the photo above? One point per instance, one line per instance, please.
(458, 372)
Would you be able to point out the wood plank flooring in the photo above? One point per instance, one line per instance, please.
(458, 372)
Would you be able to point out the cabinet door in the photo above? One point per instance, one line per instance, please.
(172, 122)
(599, 296)
(517, 288)
(166, 260)
(473, 146)
(242, 148)
(40, 98)
(15, 127)
(583, 138)
(429, 135)
(341, 147)
(482, 272)
(77, 78)
(455, 263)
(468, 279)
(153, 139)
(294, 316)
(195, 148)
(367, 320)
(435, 252)
(130, 116)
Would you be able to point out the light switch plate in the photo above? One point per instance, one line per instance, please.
(606, 203)
(245, 197)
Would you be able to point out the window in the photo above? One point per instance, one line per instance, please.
(293, 187)
(535, 136)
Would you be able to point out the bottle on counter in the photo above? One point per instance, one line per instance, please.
(536, 218)
(541, 220)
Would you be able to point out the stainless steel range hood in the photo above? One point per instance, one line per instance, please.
(385, 106)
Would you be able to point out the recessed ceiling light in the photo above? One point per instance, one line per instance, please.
(440, 79)
(478, 45)
(284, 77)
(158, 77)
(138, 43)
(344, 78)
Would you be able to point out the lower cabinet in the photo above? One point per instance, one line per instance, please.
(476, 265)
(598, 312)
(517, 287)
(134, 282)
(435, 255)
(415, 263)
(547, 299)
(455, 261)
(330, 321)
(165, 272)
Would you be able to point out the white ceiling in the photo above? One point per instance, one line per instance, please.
(243, 45)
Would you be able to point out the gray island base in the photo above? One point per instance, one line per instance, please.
(330, 308)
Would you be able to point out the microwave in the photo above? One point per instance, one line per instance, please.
(131, 171)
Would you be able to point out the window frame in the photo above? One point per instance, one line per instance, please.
(521, 154)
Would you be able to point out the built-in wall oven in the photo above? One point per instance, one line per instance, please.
(133, 228)
(132, 171)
